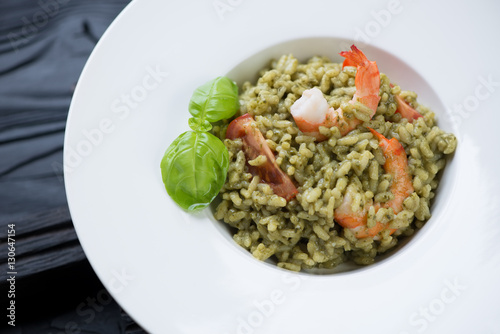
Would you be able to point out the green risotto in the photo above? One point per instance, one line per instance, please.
(303, 231)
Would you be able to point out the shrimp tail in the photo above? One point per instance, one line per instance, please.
(354, 57)
(405, 109)
(367, 77)
(383, 142)
(347, 61)
(389, 146)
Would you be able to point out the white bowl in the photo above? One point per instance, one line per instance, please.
(175, 272)
(399, 72)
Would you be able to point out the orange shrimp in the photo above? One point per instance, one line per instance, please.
(311, 110)
(356, 221)
(405, 109)
(396, 164)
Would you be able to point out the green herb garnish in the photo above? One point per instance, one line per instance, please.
(195, 165)
(212, 102)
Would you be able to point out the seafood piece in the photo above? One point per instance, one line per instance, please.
(254, 145)
(405, 109)
(311, 110)
(396, 164)
(356, 221)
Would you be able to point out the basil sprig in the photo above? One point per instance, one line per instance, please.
(194, 166)
(212, 102)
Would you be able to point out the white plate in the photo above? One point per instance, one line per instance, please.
(180, 273)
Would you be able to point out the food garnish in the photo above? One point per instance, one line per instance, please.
(194, 166)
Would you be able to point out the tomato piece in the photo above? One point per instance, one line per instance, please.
(254, 145)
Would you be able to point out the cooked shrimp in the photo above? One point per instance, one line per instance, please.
(311, 110)
(396, 164)
(405, 109)
(356, 221)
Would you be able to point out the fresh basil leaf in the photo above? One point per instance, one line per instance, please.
(198, 124)
(215, 100)
(194, 169)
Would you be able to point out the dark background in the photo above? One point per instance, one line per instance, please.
(44, 45)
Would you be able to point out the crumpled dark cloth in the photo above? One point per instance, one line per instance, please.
(44, 45)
